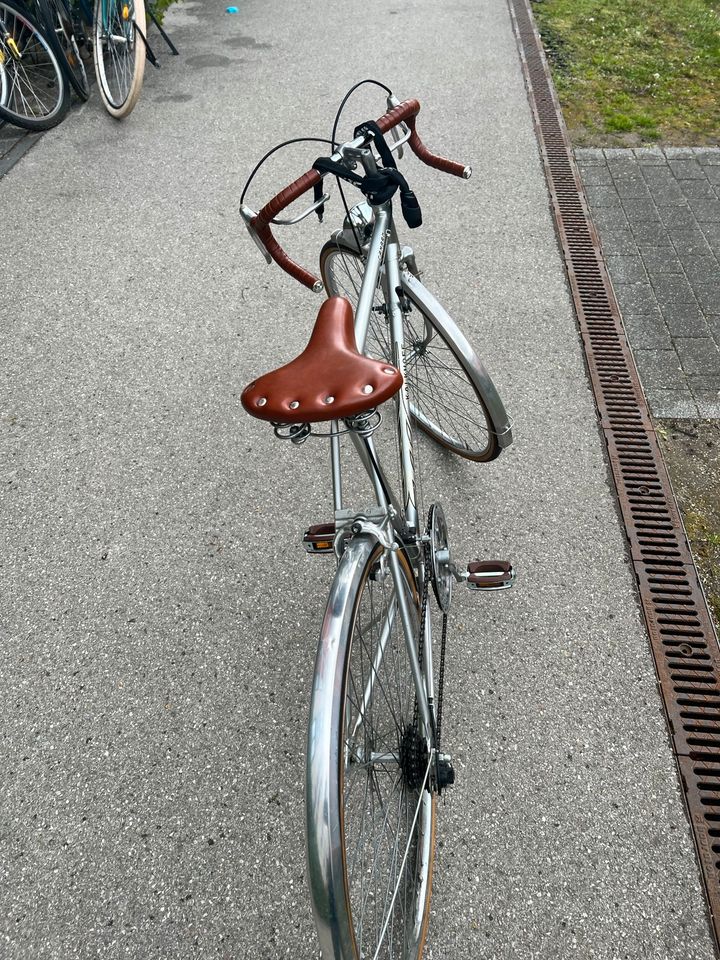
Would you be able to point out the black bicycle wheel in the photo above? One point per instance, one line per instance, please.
(33, 91)
(61, 32)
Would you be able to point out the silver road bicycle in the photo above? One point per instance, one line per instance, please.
(384, 361)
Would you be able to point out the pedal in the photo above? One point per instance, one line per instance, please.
(490, 575)
(319, 538)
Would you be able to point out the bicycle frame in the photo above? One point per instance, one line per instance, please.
(384, 252)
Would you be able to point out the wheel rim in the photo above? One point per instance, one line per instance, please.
(387, 815)
(116, 48)
(32, 84)
(66, 36)
(443, 400)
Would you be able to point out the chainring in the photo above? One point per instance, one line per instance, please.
(441, 560)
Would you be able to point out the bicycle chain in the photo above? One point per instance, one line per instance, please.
(421, 640)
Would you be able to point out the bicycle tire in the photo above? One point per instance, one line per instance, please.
(119, 53)
(472, 422)
(60, 30)
(36, 96)
(366, 772)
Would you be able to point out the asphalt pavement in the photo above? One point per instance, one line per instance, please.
(159, 615)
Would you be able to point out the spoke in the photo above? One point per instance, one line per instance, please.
(442, 395)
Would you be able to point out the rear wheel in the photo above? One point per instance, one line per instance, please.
(371, 818)
(119, 28)
(61, 33)
(452, 398)
(33, 91)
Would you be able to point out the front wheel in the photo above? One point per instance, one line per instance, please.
(119, 49)
(33, 92)
(452, 398)
(370, 816)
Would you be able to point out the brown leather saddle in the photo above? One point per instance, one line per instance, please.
(330, 380)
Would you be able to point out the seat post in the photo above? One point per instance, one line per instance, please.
(335, 464)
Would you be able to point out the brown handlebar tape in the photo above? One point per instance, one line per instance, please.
(280, 257)
(403, 113)
(432, 159)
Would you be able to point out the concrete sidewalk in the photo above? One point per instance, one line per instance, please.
(160, 616)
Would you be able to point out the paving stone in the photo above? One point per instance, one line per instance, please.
(647, 332)
(701, 270)
(697, 189)
(640, 210)
(706, 211)
(673, 289)
(589, 155)
(708, 296)
(650, 156)
(601, 195)
(666, 227)
(660, 369)
(677, 403)
(713, 322)
(633, 188)
(707, 155)
(626, 269)
(616, 153)
(708, 409)
(635, 299)
(684, 319)
(609, 217)
(664, 190)
(679, 153)
(712, 173)
(619, 239)
(699, 356)
(686, 169)
(706, 393)
(648, 232)
(677, 216)
(710, 231)
(596, 173)
(689, 243)
(625, 172)
(660, 260)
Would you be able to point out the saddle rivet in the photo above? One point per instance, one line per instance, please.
(294, 404)
(329, 400)
(261, 401)
(388, 370)
(367, 388)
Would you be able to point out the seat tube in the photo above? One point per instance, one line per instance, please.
(410, 641)
(336, 465)
(403, 407)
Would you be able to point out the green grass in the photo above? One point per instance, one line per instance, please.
(635, 71)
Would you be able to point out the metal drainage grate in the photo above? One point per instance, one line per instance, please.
(683, 640)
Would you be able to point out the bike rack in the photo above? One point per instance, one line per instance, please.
(148, 49)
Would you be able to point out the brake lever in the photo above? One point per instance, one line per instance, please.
(248, 216)
(392, 101)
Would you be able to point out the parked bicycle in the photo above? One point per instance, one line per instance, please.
(33, 91)
(44, 46)
(376, 762)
